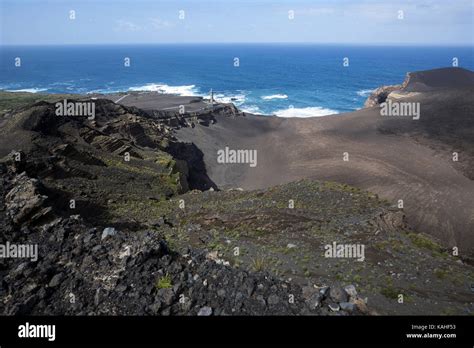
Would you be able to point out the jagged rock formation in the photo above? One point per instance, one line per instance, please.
(121, 149)
(380, 95)
(78, 272)
(23, 202)
(205, 117)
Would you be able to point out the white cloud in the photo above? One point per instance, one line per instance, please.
(122, 25)
(157, 23)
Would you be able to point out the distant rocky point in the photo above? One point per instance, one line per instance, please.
(424, 81)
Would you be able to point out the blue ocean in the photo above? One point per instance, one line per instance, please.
(281, 79)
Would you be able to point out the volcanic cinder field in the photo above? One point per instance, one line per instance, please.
(398, 158)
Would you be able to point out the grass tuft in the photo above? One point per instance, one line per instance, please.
(164, 282)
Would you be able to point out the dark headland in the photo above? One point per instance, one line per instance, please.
(132, 210)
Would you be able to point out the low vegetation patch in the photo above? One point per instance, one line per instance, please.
(164, 282)
(423, 241)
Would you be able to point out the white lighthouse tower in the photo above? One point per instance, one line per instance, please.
(211, 97)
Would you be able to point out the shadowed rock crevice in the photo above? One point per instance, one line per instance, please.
(194, 158)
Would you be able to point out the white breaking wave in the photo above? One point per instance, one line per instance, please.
(252, 109)
(237, 100)
(104, 91)
(364, 92)
(275, 96)
(29, 90)
(314, 111)
(189, 90)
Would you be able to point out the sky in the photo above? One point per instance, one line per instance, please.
(411, 22)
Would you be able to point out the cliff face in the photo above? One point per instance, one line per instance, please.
(380, 95)
(424, 81)
(118, 146)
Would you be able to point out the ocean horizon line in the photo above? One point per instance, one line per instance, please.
(269, 43)
(264, 78)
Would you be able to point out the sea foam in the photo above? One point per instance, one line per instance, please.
(275, 96)
(252, 109)
(364, 92)
(29, 90)
(186, 90)
(237, 99)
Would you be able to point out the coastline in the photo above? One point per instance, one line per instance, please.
(148, 100)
